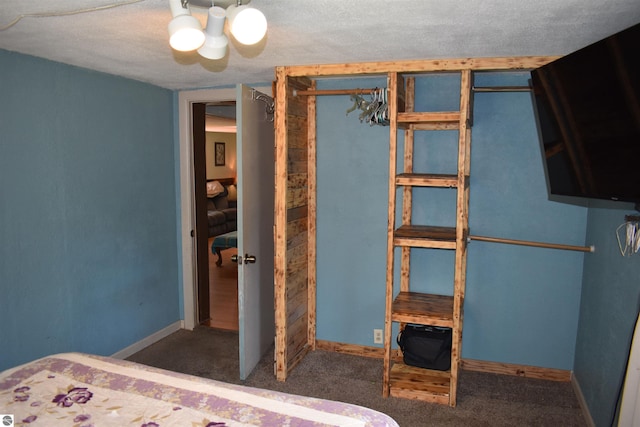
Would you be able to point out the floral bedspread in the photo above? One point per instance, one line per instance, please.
(81, 390)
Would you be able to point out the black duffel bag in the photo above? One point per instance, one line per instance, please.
(426, 346)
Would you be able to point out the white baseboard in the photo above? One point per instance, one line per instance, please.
(582, 402)
(146, 342)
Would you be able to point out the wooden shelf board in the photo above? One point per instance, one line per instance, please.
(443, 117)
(430, 126)
(427, 180)
(427, 232)
(410, 382)
(425, 236)
(424, 243)
(424, 309)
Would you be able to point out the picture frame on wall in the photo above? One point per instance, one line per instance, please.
(220, 154)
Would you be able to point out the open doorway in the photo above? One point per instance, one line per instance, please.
(221, 205)
(255, 185)
(186, 238)
(223, 291)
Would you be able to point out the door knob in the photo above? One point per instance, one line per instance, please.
(236, 258)
(249, 259)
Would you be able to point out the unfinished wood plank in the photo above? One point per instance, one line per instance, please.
(297, 180)
(424, 309)
(427, 180)
(401, 95)
(516, 370)
(295, 359)
(413, 394)
(311, 219)
(462, 227)
(297, 139)
(297, 308)
(297, 167)
(297, 257)
(297, 232)
(297, 337)
(471, 365)
(392, 83)
(299, 154)
(297, 197)
(297, 239)
(426, 231)
(450, 117)
(280, 220)
(296, 262)
(298, 83)
(428, 126)
(297, 226)
(297, 213)
(419, 66)
(297, 107)
(352, 349)
(291, 221)
(410, 382)
(296, 124)
(424, 243)
(407, 191)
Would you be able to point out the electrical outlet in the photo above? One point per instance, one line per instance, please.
(377, 336)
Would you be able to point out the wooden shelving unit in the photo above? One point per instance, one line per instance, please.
(429, 309)
(295, 207)
(401, 380)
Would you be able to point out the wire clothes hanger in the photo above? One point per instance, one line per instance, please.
(628, 235)
(374, 111)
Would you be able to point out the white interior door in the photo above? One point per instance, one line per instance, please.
(630, 407)
(255, 168)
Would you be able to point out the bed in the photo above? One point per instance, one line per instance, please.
(81, 390)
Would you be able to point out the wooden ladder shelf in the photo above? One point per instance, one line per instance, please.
(406, 306)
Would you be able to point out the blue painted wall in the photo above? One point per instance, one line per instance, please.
(352, 185)
(530, 295)
(522, 303)
(88, 251)
(89, 255)
(608, 311)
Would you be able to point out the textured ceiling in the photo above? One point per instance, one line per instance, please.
(132, 41)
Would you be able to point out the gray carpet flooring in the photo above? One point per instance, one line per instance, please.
(483, 399)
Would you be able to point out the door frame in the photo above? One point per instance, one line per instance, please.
(186, 193)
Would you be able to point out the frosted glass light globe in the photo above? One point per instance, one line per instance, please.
(185, 32)
(247, 24)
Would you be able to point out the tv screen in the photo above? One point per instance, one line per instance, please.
(588, 114)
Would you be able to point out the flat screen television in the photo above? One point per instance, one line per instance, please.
(587, 107)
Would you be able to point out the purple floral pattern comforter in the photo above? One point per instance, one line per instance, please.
(81, 390)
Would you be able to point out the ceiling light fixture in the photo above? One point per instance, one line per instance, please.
(247, 25)
(185, 31)
(215, 42)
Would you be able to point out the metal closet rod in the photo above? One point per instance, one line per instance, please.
(501, 89)
(357, 91)
(530, 243)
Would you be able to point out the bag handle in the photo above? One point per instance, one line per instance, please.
(399, 340)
